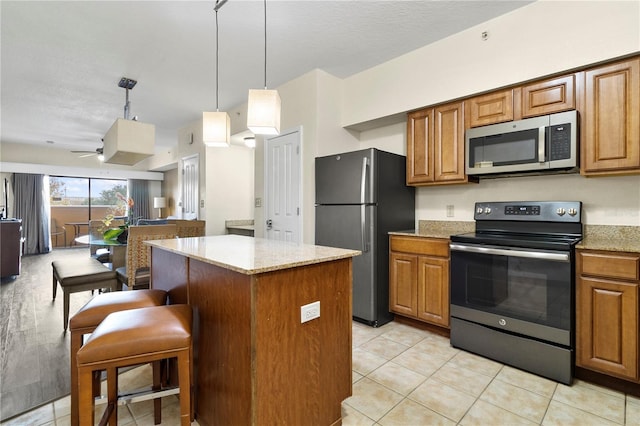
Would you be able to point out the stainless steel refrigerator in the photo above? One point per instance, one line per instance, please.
(360, 197)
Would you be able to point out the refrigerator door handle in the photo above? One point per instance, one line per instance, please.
(363, 181)
(363, 227)
(363, 199)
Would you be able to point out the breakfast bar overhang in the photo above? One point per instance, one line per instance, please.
(255, 361)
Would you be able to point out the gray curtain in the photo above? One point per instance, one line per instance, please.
(139, 192)
(32, 206)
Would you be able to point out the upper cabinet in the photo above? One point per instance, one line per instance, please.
(548, 96)
(606, 97)
(610, 119)
(435, 145)
(494, 107)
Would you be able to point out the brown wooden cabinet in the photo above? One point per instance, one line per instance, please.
(610, 118)
(435, 145)
(494, 107)
(548, 96)
(607, 312)
(419, 278)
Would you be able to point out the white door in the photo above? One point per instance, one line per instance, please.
(283, 186)
(190, 186)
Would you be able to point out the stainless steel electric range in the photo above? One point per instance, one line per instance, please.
(512, 285)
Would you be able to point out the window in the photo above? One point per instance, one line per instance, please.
(75, 201)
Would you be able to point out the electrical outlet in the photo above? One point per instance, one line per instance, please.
(258, 202)
(449, 210)
(309, 312)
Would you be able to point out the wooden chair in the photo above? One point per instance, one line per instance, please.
(189, 228)
(58, 230)
(136, 274)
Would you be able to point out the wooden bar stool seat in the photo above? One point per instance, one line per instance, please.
(91, 315)
(131, 337)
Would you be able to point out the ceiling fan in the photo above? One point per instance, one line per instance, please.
(84, 154)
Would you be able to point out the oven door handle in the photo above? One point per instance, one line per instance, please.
(560, 257)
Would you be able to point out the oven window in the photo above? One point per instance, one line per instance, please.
(531, 290)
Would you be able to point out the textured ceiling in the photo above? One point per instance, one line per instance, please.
(61, 61)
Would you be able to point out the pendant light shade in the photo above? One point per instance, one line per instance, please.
(263, 109)
(216, 126)
(216, 129)
(263, 113)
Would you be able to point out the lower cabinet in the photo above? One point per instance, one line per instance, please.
(419, 278)
(607, 312)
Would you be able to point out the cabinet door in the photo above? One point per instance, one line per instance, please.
(549, 96)
(607, 326)
(420, 147)
(495, 107)
(433, 290)
(611, 119)
(449, 142)
(403, 297)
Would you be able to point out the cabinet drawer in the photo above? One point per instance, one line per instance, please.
(625, 266)
(422, 246)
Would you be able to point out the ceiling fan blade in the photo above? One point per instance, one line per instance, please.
(84, 152)
(88, 154)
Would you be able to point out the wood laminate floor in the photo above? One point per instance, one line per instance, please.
(34, 349)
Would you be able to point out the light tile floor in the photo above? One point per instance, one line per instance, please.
(406, 376)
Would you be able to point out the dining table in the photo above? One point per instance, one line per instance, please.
(117, 249)
(77, 228)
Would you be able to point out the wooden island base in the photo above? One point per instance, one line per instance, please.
(255, 362)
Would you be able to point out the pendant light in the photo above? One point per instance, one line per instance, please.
(216, 126)
(263, 111)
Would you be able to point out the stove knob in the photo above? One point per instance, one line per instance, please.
(572, 212)
(560, 211)
(487, 210)
(479, 210)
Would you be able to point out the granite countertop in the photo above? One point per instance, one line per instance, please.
(596, 237)
(438, 229)
(248, 255)
(611, 238)
(246, 224)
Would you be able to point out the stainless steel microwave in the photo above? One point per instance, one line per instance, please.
(548, 142)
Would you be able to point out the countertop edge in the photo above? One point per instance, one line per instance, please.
(340, 254)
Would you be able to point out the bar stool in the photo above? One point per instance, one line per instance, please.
(90, 316)
(131, 337)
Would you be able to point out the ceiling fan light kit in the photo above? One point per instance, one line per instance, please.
(128, 141)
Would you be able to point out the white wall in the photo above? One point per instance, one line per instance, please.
(574, 34)
(542, 38)
(229, 190)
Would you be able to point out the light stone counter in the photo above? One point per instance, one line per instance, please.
(611, 238)
(438, 229)
(249, 255)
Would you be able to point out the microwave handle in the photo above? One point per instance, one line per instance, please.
(542, 144)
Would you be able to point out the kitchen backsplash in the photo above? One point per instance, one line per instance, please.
(606, 201)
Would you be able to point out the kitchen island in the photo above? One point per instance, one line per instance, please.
(255, 361)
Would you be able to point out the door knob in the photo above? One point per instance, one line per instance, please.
(269, 223)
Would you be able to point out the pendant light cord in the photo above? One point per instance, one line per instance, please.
(217, 77)
(265, 44)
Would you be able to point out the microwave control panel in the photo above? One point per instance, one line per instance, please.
(559, 137)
